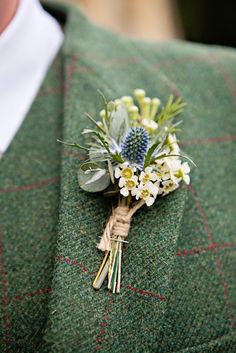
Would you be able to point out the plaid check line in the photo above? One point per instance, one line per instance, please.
(218, 263)
(220, 139)
(225, 75)
(229, 303)
(36, 185)
(105, 318)
(72, 263)
(104, 322)
(30, 294)
(202, 249)
(201, 212)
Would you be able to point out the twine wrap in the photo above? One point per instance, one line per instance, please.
(118, 225)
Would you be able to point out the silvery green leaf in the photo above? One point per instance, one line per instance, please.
(88, 165)
(96, 175)
(119, 123)
(94, 180)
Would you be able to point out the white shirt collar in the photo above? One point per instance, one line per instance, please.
(27, 48)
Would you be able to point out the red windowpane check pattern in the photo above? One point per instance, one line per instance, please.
(214, 247)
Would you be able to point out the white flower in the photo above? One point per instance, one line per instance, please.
(127, 180)
(147, 175)
(163, 169)
(168, 167)
(128, 185)
(183, 173)
(124, 171)
(146, 192)
(169, 186)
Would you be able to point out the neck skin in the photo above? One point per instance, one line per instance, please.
(7, 12)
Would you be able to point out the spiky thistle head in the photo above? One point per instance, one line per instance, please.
(135, 145)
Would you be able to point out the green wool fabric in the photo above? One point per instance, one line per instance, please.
(179, 269)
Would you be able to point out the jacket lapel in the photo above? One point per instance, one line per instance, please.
(80, 318)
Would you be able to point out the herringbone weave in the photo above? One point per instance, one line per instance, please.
(179, 269)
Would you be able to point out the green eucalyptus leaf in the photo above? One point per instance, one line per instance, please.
(88, 165)
(93, 180)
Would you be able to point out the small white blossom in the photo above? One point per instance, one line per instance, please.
(124, 171)
(168, 167)
(183, 173)
(128, 185)
(146, 192)
(147, 175)
(163, 169)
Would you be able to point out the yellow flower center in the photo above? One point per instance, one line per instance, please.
(146, 177)
(145, 194)
(127, 173)
(179, 174)
(130, 184)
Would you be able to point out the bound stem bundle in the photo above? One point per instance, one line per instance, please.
(113, 238)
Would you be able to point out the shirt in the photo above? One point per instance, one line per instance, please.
(27, 48)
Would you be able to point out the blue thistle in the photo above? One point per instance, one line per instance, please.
(135, 145)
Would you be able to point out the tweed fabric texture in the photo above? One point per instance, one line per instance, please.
(178, 283)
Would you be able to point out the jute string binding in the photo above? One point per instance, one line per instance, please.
(118, 225)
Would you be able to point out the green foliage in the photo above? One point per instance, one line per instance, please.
(170, 110)
(149, 154)
(93, 179)
(74, 145)
(95, 123)
(116, 157)
(97, 172)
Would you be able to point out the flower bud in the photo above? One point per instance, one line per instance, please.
(154, 107)
(111, 106)
(139, 95)
(102, 113)
(127, 101)
(133, 112)
(145, 107)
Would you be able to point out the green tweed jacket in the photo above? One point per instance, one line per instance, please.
(179, 269)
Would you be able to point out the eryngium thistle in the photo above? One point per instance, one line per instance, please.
(135, 145)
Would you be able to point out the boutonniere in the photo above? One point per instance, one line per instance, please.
(133, 155)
